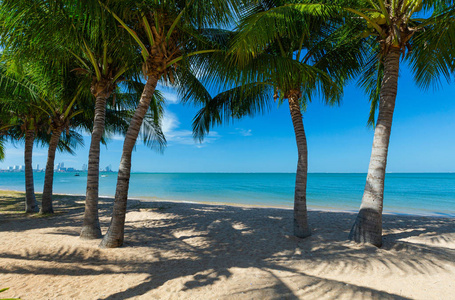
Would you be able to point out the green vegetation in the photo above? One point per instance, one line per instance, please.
(104, 60)
(12, 204)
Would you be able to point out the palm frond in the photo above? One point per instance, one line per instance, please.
(234, 104)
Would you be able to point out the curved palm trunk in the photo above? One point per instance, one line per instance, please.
(30, 201)
(115, 234)
(46, 204)
(91, 226)
(367, 227)
(301, 228)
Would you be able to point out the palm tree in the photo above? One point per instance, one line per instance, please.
(420, 32)
(81, 34)
(84, 35)
(21, 120)
(395, 27)
(168, 34)
(24, 126)
(60, 117)
(282, 54)
(103, 51)
(24, 89)
(62, 110)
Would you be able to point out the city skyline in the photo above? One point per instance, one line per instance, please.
(58, 167)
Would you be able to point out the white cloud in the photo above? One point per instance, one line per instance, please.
(171, 98)
(168, 93)
(170, 126)
(244, 132)
(169, 123)
(117, 137)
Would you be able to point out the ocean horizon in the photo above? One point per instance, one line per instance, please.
(430, 194)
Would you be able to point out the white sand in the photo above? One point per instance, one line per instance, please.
(198, 251)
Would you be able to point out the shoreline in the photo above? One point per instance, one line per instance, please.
(414, 194)
(243, 205)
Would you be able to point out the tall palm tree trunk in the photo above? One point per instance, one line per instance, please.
(46, 204)
(367, 227)
(301, 228)
(30, 201)
(91, 226)
(115, 234)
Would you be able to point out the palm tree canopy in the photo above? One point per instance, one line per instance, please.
(279, 51)
(423, 31)
(87, 40)
(120, 110)
(174, 37)
(81, 32)
(19, 100)
(168, 33)
(34, 99)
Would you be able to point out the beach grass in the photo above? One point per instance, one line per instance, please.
(12, 204)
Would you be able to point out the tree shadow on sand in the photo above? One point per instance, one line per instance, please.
(202, 245)
(67, 210)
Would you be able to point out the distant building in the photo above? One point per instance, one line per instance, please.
(60, 167)
(37, 167)
(16, 167)
(84, 167)
(108, 168)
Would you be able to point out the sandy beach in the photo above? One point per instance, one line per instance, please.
(200, 251)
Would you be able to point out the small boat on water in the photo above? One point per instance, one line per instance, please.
(77, 174)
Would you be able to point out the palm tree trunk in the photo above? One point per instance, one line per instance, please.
(46, 205)
(301, 228)
(30, 201)
(115, 234)
(91, 226)
(367, 227)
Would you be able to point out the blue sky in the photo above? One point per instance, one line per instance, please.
(423, 138)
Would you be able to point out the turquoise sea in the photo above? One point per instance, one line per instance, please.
(405, 193)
